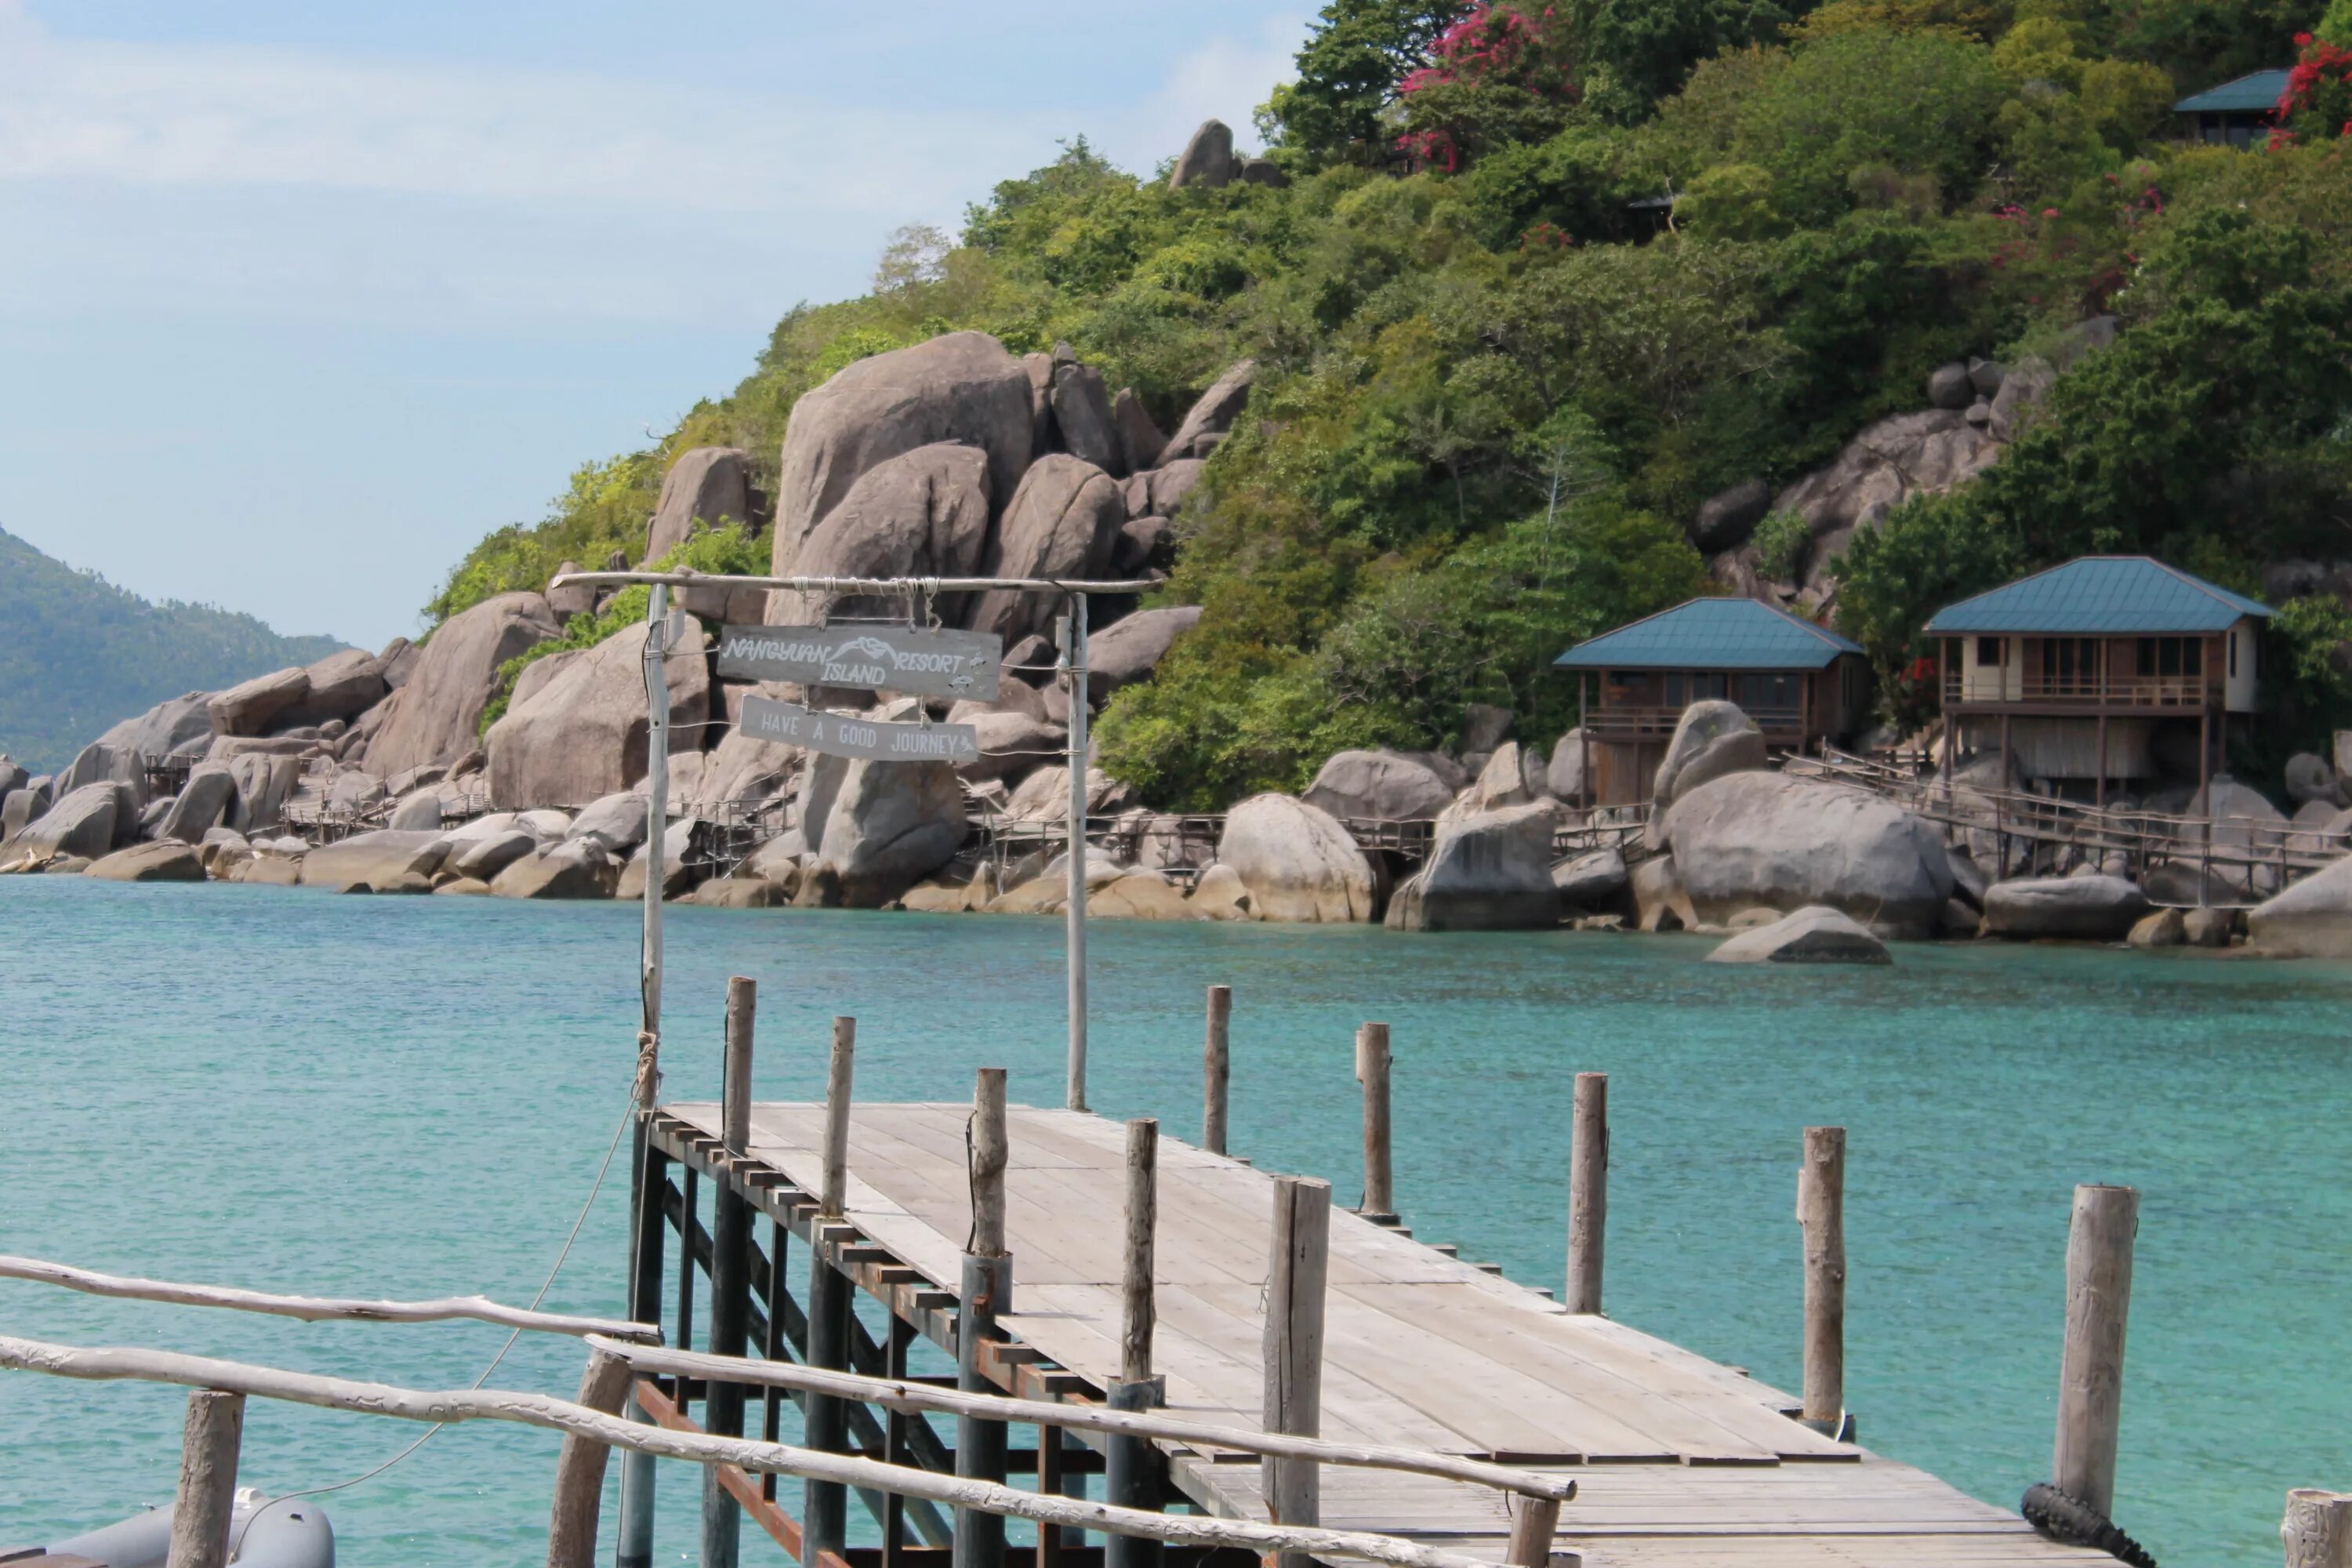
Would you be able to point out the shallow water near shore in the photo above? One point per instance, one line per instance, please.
(410, 1097)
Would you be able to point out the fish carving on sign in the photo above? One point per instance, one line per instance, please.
(918, 661)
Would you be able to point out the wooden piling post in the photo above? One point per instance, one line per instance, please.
(2091, 1373)
(649, 1178)
(986, 1294)
(1588, 1191)
(1297, 1268)
(1132, 1468)
(824, 1505)
(730, 1273)
(580, 1468)
(1820, 1210)
(1216, 1064)
(1534, 1521)
(1372, 1068)
(207, 1495)
(2317, 1529)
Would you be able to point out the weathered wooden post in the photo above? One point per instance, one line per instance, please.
(207, 1495)
(731, 1271)
(2317, 1529)
(987, 1293)
(1297, 1266)
(1820, 1210)
(1534, 1521)
(580, 1468)
(2091, 1373)
(1372, 1068)
(1216, 1069)
(1588, 1191)
(1131, 1475)
(826, 1504)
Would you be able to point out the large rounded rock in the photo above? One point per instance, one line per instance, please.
(2312, 918)
(575, 869)
(383, 862)
(1727, 518)
(887, 826)
(711, 485)
(263, 782)
(1592, 882)
(1061, 523)
(484, 858)
(1297, 862)
(340, 686)
(2090, 909)
(1763, 840)
(1082, 412)
(1491, 871)
(1712, 739)
(1382, 787)
(617, 821)
(743, 769)
(1926, 453)
(1210, 415)
(1207, 159)
(206, 801)
(436, 715)
(178, 726)
(1044, 795)
(165, 861)
(251, 707)
(1161, 491)
(1564, 777)
(582, 736)
(1139, 440)
(2309, 778)
(1011, 743)
(1815, 935)
(923, 513)
(82, 822)
(99, 762)
(1949, 386)
(1133, 647)
(961, 387)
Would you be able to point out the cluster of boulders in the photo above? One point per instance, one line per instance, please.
(1974, 409)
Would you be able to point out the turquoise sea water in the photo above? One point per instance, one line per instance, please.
(409, 1097)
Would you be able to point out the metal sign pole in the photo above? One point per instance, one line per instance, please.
(1074, 664)
(635, 1542)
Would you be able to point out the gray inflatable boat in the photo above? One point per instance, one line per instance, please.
(264, 1532)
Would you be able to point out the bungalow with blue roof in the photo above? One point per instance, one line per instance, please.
(1800, 683)
(2098, 669)
(2237, 113)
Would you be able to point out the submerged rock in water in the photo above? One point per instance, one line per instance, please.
(2094, 907)
(1816, 935)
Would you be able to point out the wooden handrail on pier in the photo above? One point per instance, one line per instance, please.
(438, 1406)
(322, 1309)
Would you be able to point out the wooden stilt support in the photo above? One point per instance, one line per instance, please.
(1588, 1191)
(1216, 1069)
(730, 1275)
(1373, 1069)
(1296, 1269)
(1820, 1210)
(634, 1547)
(580, 1468)
(1132, 1474)
(826, 1504)
(2091, 1375)
(1534, 1521)
(2317, 1529)
(207, 1494)
(986, 1293)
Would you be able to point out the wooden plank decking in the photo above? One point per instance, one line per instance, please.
(1679, 1461)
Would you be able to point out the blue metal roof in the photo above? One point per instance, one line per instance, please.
(2124, 594)
(1711, 634)
(2257, 92)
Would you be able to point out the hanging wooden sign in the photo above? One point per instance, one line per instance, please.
(842, 735)
(917, 661)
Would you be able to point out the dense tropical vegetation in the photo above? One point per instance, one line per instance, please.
(1548, 275)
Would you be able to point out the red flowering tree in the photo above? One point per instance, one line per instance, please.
(1505, 72)
(2318, 103)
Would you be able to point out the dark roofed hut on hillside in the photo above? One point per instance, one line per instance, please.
(1800, 683)
(2240, 113)
(2091, 671)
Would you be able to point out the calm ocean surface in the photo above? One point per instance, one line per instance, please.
(302, 1092)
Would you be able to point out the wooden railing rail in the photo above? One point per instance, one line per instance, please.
(893, 1393)
(324, 1308)
(129, 1363)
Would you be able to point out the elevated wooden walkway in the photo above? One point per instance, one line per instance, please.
(1679, 1461)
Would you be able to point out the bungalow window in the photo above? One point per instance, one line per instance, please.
(1988, 652)
(2170, 656)
(2233, 655)
(2067, 662)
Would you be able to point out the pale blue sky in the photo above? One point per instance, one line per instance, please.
(299, 298)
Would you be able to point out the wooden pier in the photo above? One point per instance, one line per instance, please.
(1677, 1460)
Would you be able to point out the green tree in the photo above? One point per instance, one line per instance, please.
(1356, 54)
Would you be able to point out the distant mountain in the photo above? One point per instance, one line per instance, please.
(77, 653)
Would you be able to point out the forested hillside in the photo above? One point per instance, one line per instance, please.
(1546, 277)
(77, 654)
